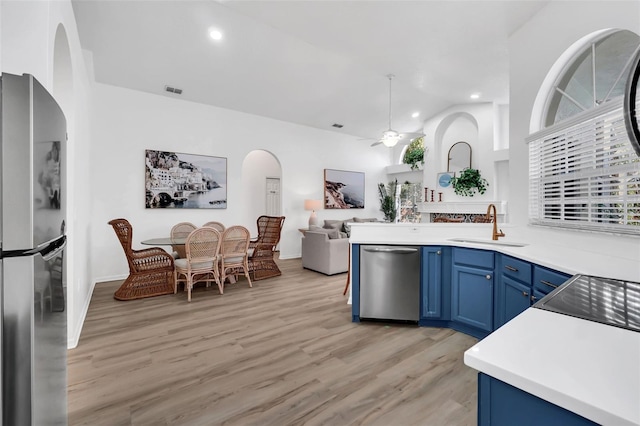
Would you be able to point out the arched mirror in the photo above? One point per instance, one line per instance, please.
(459, 157)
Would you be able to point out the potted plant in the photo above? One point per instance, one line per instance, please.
(469, 182)
(414, 153)
(388, 205)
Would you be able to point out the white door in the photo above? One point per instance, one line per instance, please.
(273, 196)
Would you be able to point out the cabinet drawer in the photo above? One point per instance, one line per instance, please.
(516, 268)
(473, 257)
(546, 280)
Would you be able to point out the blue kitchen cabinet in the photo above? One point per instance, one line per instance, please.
(355, 282)
(432, 282)
(513, 292)
(546, 280)
(500, 404)
(472, 281)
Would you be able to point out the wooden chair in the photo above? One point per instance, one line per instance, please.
(201, 261)
(261, 258)
(216, 225)
(151, 271)
(181, 230)
(234, 255)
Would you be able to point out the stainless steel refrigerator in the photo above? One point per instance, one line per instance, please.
(32, 237)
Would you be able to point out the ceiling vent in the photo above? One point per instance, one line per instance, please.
(173, 90)
(337, 126)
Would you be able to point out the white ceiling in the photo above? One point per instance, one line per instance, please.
(309, 62)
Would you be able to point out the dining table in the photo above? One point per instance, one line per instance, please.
(164, 241)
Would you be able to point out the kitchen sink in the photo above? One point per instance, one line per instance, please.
(489, 242)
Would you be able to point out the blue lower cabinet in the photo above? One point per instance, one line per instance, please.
(472, 299)
(500, 404)
(355, 282)
(513, 298)
(431, 306)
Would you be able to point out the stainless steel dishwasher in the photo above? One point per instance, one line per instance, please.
(390, 282)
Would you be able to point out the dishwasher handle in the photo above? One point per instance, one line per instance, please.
(394, 250)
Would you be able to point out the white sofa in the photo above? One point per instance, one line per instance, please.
(322, 254)
(326, 249)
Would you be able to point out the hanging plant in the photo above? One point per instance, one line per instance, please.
(469, 182)
(414, 153)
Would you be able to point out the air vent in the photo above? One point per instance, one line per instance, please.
(337, 126)
(173, 90)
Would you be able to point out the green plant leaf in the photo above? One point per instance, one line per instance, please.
(469, 182)
(414, 153)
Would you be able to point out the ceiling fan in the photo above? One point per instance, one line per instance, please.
(390, 137)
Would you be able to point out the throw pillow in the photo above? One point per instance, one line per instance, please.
(359, 220)
(333, 224)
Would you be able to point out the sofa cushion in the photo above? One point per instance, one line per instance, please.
(359, 220)
(333, 224)
(332, 233)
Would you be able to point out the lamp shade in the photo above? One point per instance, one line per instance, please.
(313, 205)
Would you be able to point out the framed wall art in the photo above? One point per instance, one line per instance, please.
(343, 189)
(185, 181)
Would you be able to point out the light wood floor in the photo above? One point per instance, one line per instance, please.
(284, 352)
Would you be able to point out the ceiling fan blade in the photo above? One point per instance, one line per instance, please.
(376, 143)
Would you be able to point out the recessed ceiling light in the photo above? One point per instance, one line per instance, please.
(215, 34)
(415, 114)
(475, 96)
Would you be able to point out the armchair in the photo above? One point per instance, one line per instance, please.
(261, 259)
(151, 271)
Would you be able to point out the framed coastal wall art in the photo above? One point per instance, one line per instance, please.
(184, 181)
(343, 189)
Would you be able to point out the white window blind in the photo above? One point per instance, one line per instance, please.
(584, 173)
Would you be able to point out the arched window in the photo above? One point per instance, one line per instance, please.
(583, 170)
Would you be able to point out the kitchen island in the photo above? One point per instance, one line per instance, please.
(587, 368)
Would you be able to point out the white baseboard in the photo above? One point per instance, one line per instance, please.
(74, 338)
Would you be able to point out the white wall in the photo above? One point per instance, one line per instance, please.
(127, 122)
(533, 50)
(472, 123)
(27, 42)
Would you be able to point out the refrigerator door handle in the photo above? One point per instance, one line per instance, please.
(47, 250)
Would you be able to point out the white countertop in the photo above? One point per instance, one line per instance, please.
(571, 252)
(588, 368)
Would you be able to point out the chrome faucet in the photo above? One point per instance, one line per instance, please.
(495, 234)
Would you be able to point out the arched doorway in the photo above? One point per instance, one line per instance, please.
(261, 185)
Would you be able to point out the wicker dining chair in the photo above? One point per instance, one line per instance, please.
(201, 261)
(216, 225)
(234, 255)
(151, 270)
(262, 249)
(181, 230)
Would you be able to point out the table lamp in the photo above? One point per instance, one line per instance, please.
(313, 205)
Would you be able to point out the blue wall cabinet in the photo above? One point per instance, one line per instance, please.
(431, 282)
(500, 404)
(472, 289)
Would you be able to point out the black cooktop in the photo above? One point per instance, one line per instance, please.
(604, 300)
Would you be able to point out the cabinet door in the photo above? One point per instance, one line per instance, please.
(472, 297)
(514, 298)
(432, 282)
